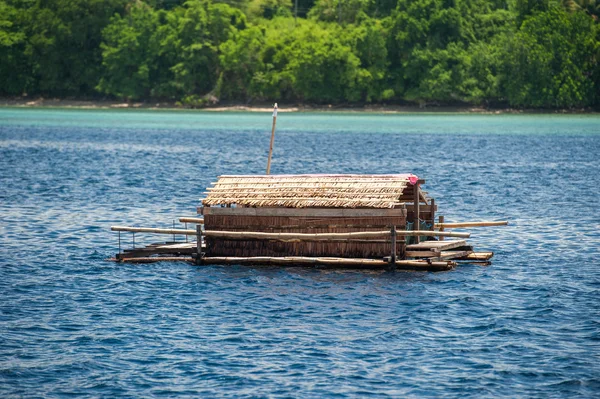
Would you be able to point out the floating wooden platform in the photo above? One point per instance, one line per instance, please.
(345, 221)
(425, 260)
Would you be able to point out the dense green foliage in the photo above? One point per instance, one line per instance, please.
(521, 53)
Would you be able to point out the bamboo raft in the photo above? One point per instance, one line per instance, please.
(347, 221)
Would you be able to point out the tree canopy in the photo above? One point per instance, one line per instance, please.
(519, 53)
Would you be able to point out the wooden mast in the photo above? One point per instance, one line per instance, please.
(272, 139)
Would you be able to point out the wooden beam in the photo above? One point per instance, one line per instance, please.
(339, 262)
(393, 239)
(199, 244)
(374, 185)
(156, 259)
(256, 235)
(477, 256)
(414, 265)
(445, 255)
(442, 225)
(356, 202)
(302, 212)
(309, 227)
(437, 245)
(422, 254)
(324, 179)
(416, 218)
(272, 139)
(301, 195)
(191, 220)
(153, 230)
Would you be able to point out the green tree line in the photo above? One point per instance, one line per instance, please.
(520, 53)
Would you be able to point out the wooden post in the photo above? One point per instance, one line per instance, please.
(199, 244)
(442, 227)
(272, 139)
(394, 249)
(432, 204)
(417, 199)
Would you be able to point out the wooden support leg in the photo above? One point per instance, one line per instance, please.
(394, 238)
(199, 244)
(442, 227)
(417, 200)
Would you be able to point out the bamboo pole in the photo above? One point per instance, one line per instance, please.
(198, 244)
(469, 224)
(289, 236)
(155, 259)
(326, 236)
(394, 250)
(417, 216)
(191, 220)
(300, 260)
(153, 230)
(478, 256)
(272, 139)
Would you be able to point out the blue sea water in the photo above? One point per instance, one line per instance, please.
(75, 325)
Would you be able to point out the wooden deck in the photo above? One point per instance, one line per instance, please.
(428, 256)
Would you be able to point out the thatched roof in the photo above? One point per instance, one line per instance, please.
(303, 191)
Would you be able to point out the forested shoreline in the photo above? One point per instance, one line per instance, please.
(515, 53)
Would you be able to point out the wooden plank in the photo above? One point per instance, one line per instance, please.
(153, 230)
(303, 212)
(438, 245)
(184, 245)
(437, 255)
(477, 256)
(446, 255)
(422, 254)
(191, 220)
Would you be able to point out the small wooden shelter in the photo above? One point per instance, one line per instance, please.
(326, 220)
(312, 204)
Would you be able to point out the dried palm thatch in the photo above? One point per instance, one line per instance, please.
(304, 191)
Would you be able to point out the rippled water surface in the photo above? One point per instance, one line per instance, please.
(72, 324)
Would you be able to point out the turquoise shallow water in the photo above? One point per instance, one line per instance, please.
(72, 324)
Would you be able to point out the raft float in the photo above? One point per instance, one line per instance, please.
(347, 220)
